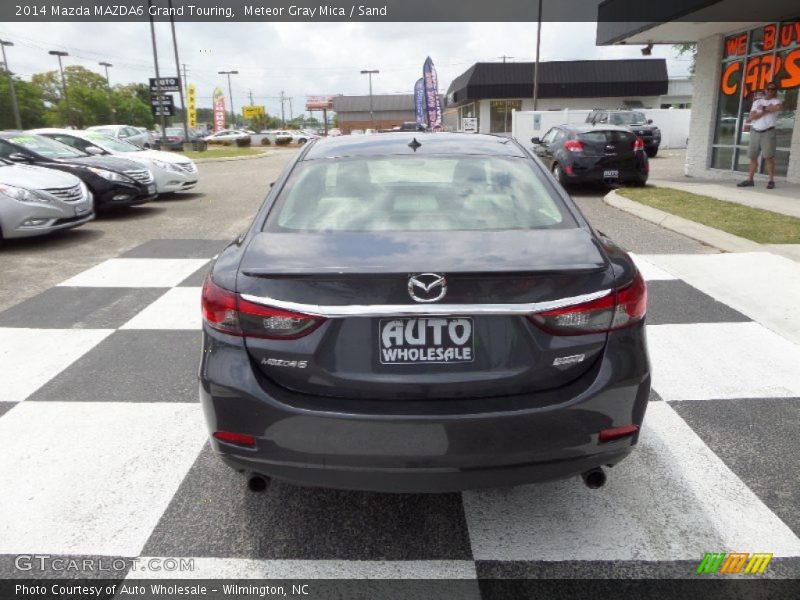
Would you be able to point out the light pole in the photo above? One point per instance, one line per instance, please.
(230, 94)
(59, 54)
(14, 105)
(178, 71)
(536, 68)
(371, 113)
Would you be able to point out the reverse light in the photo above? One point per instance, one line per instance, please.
(240, 439)
(638, 144)
(573, 145)
(615, 433)
(621, 308)
(227, 312)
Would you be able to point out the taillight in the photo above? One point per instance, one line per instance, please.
(619, 309)
(638, 144)
(573, 145)
(227, 312)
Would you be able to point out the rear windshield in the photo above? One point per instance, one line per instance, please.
(413, 193)
(633, 118)
(606, 137)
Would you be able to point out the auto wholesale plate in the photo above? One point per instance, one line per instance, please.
(428, 340)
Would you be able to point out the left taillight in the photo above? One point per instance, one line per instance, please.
(638, 144)
(621, 308)
(227, 312)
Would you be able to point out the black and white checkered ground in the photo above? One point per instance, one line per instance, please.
(104, 450)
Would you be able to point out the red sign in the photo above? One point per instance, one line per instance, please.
(218, 103)
(319, 104)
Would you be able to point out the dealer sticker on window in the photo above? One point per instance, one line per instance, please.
(426, 340)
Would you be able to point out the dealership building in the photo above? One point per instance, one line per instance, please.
(735, 60)
(490, 92)
(388, 110)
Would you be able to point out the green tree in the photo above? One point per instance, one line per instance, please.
(29, 99)
(690, 49)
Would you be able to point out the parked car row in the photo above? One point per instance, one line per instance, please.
(53, 179)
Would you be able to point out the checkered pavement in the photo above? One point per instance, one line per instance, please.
(105, 451)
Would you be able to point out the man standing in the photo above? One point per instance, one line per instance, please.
(763, 116)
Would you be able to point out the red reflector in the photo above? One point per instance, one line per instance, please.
(240, 439)
(573, 146)
(615, 433)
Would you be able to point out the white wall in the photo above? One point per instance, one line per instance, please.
(673, 123)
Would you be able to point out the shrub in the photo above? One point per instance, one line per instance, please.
(282, 141)
(265, 141)
(243, 142)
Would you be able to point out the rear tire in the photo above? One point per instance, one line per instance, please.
(558, 173)
(651, 152)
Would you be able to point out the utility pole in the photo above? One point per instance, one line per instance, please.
(14, 105)
(158, 75)
(283, 114)
(108, 85)
(185, 80)
(178, 73)
(59, 54)
(230, 94)
(291, 112)
(371, 113)
(250, 93)
(504, 57)
(536, 67)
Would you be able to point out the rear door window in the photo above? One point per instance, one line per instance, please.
(414, 193)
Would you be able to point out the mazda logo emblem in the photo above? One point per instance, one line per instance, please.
(427, 287)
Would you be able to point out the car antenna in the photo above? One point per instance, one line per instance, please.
(414, 144)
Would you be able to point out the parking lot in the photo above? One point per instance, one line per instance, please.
(106, 452)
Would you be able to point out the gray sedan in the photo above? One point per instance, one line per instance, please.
(36, 201)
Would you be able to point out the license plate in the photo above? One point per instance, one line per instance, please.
(151, 189)
(428, 340)
(611, 174)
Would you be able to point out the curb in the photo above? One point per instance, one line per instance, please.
(726, 242)
(231, 158)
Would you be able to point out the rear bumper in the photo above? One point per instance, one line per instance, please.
(423, 446)
(588, 171)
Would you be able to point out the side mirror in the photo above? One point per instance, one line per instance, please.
(536, 140)
(94, 150)
(649, 121)
(19, 157)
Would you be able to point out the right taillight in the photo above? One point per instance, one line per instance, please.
(638, 144)
(619, 309)
(227, 312)
(573, 145)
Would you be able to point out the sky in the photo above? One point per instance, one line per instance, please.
(304, 59)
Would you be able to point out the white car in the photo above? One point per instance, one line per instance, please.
(36, 201)
(172, 172)
(127, 133)
(227, 135)
(299, 137)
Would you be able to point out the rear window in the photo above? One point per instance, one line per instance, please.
(413, 193)
(606, 137)
(632, 118)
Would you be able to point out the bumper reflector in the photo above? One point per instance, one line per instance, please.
(240, 439)
(615, 433)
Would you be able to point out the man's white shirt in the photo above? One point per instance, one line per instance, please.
(769, 119)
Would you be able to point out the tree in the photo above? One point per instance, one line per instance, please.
(29, 99)
(690, 49)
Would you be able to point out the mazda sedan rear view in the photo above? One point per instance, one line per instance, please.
(417, 312)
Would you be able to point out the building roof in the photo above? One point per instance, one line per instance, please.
(380, 102)
(561, 79)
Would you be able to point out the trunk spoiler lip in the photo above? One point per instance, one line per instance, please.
(401, 310)
(379, 270)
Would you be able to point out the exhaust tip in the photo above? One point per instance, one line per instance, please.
(257, 483)
(594, 478)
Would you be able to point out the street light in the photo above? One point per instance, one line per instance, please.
(14, 105)
(60, 54)
(230, 93)
(371, 73)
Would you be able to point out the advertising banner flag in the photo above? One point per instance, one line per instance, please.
(191, 105)
(419, 101)
(218, 102)
(433, 105)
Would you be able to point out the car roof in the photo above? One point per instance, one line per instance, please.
(401, 142)
(587, 127)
